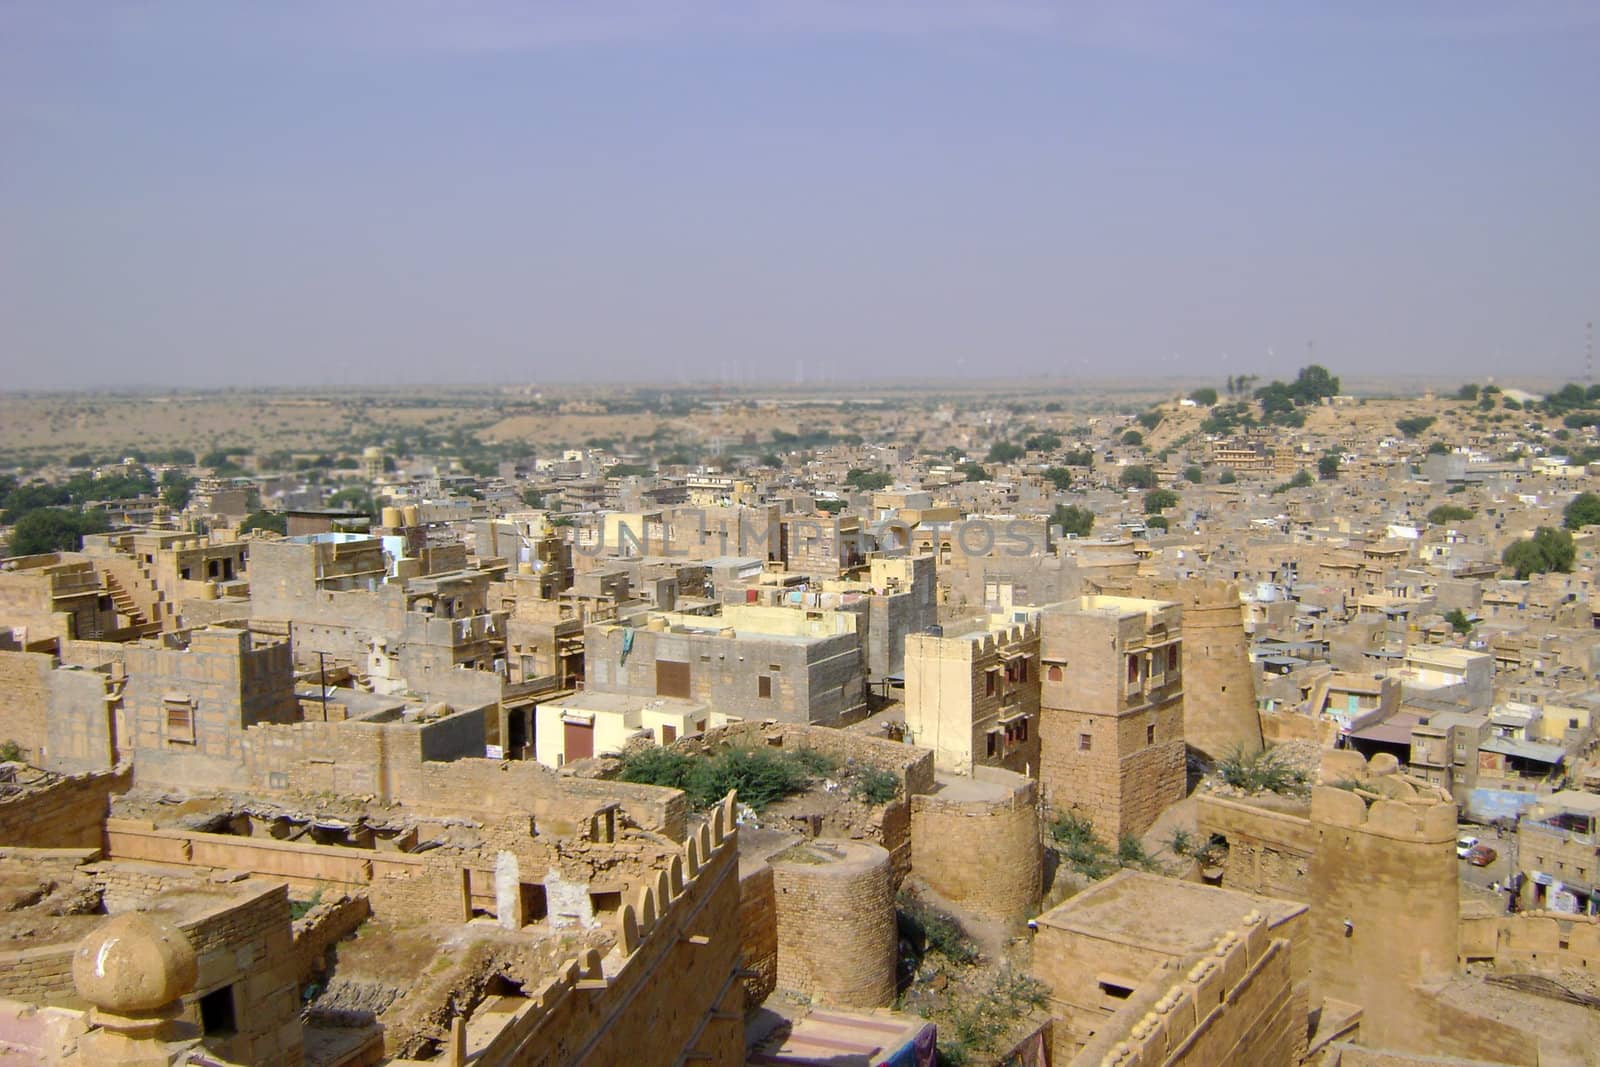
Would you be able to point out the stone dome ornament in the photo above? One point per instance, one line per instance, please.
(135, 968)
(134, 963)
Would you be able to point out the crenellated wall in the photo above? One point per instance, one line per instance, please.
(668, 992)
(1532, 941)
(1384, 884)
(1233, 1005)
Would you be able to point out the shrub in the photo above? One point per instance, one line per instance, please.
(874, 786)
(761, 776)
(11, 752)
(1131, 853)
(968, 1031)
(1263, 771)
(1181, 843)
(1080, 848)
(931, 930)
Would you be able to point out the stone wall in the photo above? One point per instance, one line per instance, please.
(837, 934)
(81, 732)
(1107, 767)
(984, 855)
(1387, 867)
(1269, 852)
(758, 934)
(1219, 681)
(1541, 942)
(25, 700)
(241, 944)
(67, 813)
(329, 921)
(668, 992)
(1231, 1006)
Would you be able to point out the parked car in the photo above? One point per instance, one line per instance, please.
(1481, 855)
(1465, 845)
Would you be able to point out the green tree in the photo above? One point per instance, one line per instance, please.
(1301, 479)
(1073, 519)
(867, 481)
(1328, 467)
(272, 521)
(176, 488)
(1313, 383)
(1060, 477)
(1157, 522)
(1415, 425)
(1458, 621)
(976, 473)
(1448, 513)
(1137, 476)
(1468, 392)
(1005, 452)
(54, 530)
(1584, 510)
(1194, 474)
(1078, 457)
(1133, 438)
(1227, 477)
(1549, 549)
(1150, 419)
(1158, 500)
(1205, 396)
(1042, 442)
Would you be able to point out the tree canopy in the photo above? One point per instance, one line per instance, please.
(1584, 510)
(1138, 476)
(1549, 549)
(1073, 519)
(54, 530)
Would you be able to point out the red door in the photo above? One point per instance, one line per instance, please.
(578, 742)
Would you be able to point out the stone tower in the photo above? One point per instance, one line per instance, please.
(1383, 897)
(1219, 695)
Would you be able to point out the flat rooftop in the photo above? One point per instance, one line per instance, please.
(1163, 914)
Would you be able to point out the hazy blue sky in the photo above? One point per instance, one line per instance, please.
(215, 193)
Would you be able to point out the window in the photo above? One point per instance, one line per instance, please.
(672, 679)
(1133, 670)
(1172, 657)
(180, 721)
(1022, 671)
(988, 683)
(1116, 990)
(216, 1011)
(1150, 734)
(764, 686)
(1022, 729)
(1085, 742)
(991, 739)
(1053, 673)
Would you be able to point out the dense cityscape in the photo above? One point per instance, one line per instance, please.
(1253, 723)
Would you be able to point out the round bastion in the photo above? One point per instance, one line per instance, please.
(837, 939)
